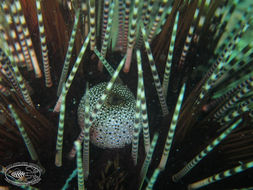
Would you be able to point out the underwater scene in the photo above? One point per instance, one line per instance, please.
(126, 94)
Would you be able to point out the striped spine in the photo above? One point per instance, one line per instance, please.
(126, 23)
(35, 63)
(74, 69)
(204, 152)
(148, 12)
(43, 44)
(86, 141)
(26, 138)
(21, 36)
(68, 54)
(107, 35)
(172, 129)
(144, 115)
(244, 88)
(79, 166)
(155, 74)
(153, 179)
(242, 108)
(6, 64)
(107, 31)
(166, 75)
(131, 36)
(14, 38)
(137, 121)
(105, 18)
(217, 73)
(147, 160)
(188, 38)
(59, 141)
(108, 67)
(220, 176)
(157, 20)
(17, 74)
(92, 24)
(121, 25)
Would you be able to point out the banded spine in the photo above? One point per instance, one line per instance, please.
(43, 44)
(172, 129)
(92, 24)
(147, 160)
(220, 176)
(21, 36)
(154, 73)
(35, 63)
(166, 75)
(13, 38)
(68, 54)
(60, 133)
(157, 20)
(204, 152)
(79, 166)
(144, 115)
(126, 23)
(23, 133)
(74, 69)
(131, 36)
(137, 121)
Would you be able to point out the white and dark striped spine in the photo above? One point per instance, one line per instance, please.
(126, 24)
(105, 18)
(43, 44)
(68, 54)
(121, 24)
(244, 88)
(25, 136)
(188, 38)
(21, 37)
(28, 40)
(60, 133)
(58, 160)
(108, 67)
(79, 166)
(92, 24)
(137, 121)
(107, 31)
(86, 140)
(144, 115)
(157, 20)
(153, 179)
(172, 129)
(221, 175)
(14, 62)
(242, 108)
(75, 67)
(147, 160)
(6, 64)
(148, 13)
(131, 36)
(166, 75)
(204, 152)
(155, 74)
(12, 33)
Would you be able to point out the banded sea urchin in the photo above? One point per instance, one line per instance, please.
(202, 111)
